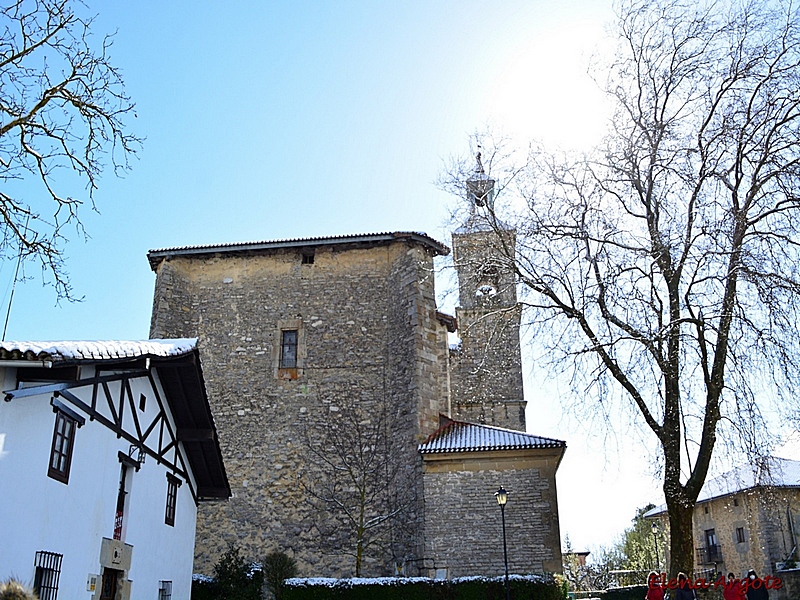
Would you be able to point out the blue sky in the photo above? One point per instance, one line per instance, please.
(267, 120)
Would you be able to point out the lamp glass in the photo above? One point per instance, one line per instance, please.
(502, 496)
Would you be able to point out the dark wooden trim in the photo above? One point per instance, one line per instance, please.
(173, 483)
(37, 374)
(126, 385)
(176, 480)
(66, 385)
(121, 433)
(195, 435)
(166, 450)
(127, 460)
(52, 472)
(58, 405)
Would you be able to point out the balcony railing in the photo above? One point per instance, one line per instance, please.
(709, 555)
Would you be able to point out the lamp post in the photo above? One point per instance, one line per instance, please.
(654, 529)
(502, 497)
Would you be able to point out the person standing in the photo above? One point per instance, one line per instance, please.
(655, 589)
(685, 590)
(733, 589)
(756, 589)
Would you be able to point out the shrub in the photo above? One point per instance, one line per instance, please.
(523, 587)
(234, 579)
(277, 567)
(14, 590)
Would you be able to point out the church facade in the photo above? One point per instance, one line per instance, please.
(355, 438)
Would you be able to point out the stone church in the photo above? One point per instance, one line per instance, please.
(355, 435)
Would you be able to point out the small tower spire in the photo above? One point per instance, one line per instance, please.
(480, 188)
(479, 172)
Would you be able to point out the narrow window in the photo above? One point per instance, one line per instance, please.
(142, 402)
(288, 349)
(61, 450)
(711, 545)
(705, 509)
(740, 535)
(172, 499)
(736, 502)
(47, 574)
(164, 590)
(119, 518)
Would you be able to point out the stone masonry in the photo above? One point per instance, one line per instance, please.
(366, 316)
(487, 366)
(369, 341)
(463, 527)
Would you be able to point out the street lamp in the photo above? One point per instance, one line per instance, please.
(502, 497)
(654, 529)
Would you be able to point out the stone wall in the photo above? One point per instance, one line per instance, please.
(369, 338)
(486, 373)
(762, 514)
(463, 520)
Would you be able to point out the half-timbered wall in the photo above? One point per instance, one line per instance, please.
(72, 519)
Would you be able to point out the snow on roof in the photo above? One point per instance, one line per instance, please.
(771, 471)
(459, 436)
(95, 350)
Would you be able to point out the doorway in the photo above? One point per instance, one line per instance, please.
(109, 585)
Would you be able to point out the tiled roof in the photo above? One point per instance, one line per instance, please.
(95, 350)
(772, 471)
(459, 436)
(155, 256)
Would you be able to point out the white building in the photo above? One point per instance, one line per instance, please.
(106, 448)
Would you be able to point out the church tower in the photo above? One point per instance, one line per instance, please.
(486, 373)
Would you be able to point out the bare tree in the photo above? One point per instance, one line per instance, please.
(357, 484)
(662, 269)
(62, 106)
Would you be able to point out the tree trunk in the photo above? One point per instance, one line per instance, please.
(681, 543)
(359, 553)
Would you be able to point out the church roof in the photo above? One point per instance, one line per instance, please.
(361, 239)
(460, 436)
(769, 472)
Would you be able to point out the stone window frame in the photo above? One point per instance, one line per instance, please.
(297, 371)
(741, 536)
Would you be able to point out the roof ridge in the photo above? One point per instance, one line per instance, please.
(463, 436)
(506, 429)
(384, 236)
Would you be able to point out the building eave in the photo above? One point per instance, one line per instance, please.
(368, 239)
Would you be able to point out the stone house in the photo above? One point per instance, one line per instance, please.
(747, 518)
(106, 451)
(317, 347)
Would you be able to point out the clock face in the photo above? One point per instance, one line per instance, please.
(486, 290)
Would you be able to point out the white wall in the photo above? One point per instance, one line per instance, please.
(40, 513)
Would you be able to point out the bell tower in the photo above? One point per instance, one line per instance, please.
(486, 371)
